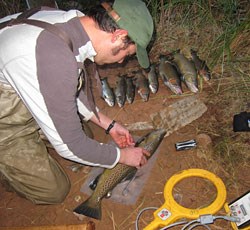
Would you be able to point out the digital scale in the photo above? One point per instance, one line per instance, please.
(240, 208)
(171, 211)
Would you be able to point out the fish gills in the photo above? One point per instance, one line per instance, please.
(111, 177)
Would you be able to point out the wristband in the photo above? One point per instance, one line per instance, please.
(110, 127)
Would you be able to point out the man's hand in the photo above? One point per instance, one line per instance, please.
(121, 136)
(134, 156)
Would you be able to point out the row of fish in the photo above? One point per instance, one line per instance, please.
(173, 69)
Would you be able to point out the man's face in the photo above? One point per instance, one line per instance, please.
(115, 51)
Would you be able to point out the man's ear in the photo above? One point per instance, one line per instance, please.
(118, 34)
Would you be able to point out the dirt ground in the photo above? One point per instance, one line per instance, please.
(191, 193)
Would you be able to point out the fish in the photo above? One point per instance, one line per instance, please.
(201, 66)
(120, 90)
(111, 177)
(107, 92)
(170, 75)
(153, 79)
(188, 71)
(141, 83)
(130, 90)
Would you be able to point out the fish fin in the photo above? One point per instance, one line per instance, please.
(130, 176)
(87, 209)
(93, 183)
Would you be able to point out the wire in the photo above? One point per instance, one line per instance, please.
(140, 213)
(173, 225)
(228, 218)
(189, 223)
(197, 225)
(203, 220)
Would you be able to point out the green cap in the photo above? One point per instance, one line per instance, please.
(136, 19)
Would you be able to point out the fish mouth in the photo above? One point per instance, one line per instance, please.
(144, 97)
(175, 88)
(153, 88)
(130, 101)
(110, 103)
(120, 104)
(193, 88)
(205, 75)
(159, 133)
(120, 101)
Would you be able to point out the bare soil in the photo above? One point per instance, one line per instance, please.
(191, 193)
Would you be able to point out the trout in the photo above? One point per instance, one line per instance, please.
(153, 79)
(111, 177)
(201, 66)
(107, 92)
(130, 90)
(141, 83)
(120, 91)
(188, 71)
(170, 75)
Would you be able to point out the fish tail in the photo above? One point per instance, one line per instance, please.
(87, 208)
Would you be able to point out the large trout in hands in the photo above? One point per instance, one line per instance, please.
(111, 177)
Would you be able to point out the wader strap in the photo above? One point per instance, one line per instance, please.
(85, 83)
(23, 19)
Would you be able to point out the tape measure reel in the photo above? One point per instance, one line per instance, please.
(171, 211)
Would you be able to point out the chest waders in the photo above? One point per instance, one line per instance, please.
(24, 161)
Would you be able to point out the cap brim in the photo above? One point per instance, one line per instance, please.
(142, 56)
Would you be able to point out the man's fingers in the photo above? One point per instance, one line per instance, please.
(146, 153)
(143, 161)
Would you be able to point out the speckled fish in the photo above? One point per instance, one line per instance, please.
(201, 66)
(120, 91)
(188, 71)
(111, 177)
(107, 92)
(153, 79)
(141, 83)
(170, 75)
(130, 90)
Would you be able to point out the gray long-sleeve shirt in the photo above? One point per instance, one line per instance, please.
(43, 71)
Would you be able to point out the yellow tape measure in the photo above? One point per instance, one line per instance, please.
(171, 211)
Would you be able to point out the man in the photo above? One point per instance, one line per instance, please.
(40, 88)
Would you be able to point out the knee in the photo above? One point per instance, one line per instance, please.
(53, 194)
(60, 192)
(57, 192)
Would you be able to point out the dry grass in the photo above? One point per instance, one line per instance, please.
(226, 50)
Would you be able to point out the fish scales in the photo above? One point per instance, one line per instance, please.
(153, 79)
(120, 91)
(188, 71)
(170, 75)
(142, 86)
(111, 177)
(130, 90)
(107, 92)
